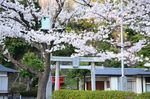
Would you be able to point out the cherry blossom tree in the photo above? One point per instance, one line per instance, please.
(22, 20)
(134, 15)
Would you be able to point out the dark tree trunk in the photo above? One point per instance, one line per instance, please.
(43, 77)
(84, 82)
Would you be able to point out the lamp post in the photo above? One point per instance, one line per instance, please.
(123, 79)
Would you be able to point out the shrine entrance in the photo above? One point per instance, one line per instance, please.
(75, 64)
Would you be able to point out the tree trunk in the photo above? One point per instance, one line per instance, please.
(28, 84)
(84, 81)
(43, 77)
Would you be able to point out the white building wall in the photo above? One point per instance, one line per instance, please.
(3, 97)
(113, 83)
(144, 85)
(3, 82)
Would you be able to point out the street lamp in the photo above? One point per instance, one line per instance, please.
(123, 79)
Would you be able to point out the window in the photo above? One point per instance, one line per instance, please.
(147, 80)
(108, 84)
(131, 84)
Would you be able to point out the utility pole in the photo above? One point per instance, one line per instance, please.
(123, 77)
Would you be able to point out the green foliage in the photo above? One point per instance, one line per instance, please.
(144, 95)
(70, 83)
(132, 36)
(1, 58)
(67, 51)
(25, 73)
(32, 60)
(78, 73)
(114, 49)
(103, 46)
(75, 94)
(31, 93)
(17, 47)
(82, 25)
(20, 88)
(112, 63)
(72, 77)
(145, 51)
(17, 88)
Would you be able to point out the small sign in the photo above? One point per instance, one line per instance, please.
(46, 23)
(76, 62)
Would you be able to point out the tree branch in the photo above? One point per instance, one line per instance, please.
(58, 11)
(20, 14)
(17, 20)
(35, 20)
(84, 3)
(18, 64)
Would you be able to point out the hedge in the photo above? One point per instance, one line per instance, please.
(75, 94)
(31, 93)
(144, 95)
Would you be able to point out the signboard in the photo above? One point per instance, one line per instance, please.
(46, 23)
(76, 62)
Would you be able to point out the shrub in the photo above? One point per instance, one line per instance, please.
(75, 94)
(17, 88)
(31, 93)
(144, 95)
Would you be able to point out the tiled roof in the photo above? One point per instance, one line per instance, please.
(117, 71)
(5, 69)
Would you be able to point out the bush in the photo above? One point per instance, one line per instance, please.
(144, 95)
(75, 94)
(31, 93)
(17, 88)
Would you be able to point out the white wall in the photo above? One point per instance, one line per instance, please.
(3, 97)
(144, 85)
(113, 83)
(3, 83)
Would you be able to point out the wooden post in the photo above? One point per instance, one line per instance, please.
(57, 77)
(93, 76)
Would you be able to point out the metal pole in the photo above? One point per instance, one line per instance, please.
(93, 77)
(122, 42)
(123, 79)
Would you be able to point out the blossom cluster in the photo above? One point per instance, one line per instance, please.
(20, 21)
